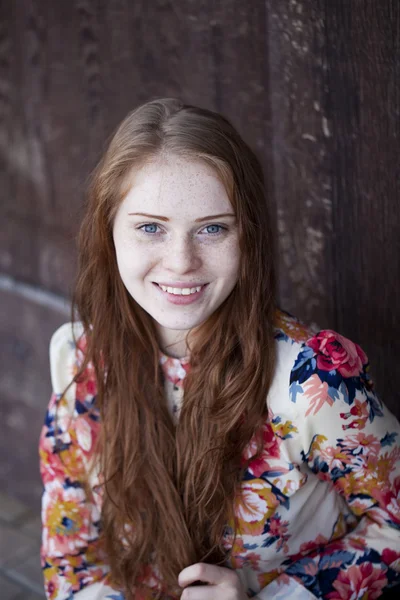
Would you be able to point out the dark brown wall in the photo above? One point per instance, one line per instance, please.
(312, 85)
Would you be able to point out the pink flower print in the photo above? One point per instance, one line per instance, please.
(174, 369)
(359, 581)
(53, 584)
(317, 392)
(278, 528)
(392, 501)
(357, 543)
(50, 466)
(335, 352)
(252, 560)
(358, 410)
(391, 558)
(270, 459)
(307, 547)
(84, 434)
(86, 385)
(86, 382)
(291, 486)
(394, 507)
(271, 442)
(360, 443)
(312, 547)
(82, 344)
(91, 388)
(334, 457)
(240, 556)
(236, 551)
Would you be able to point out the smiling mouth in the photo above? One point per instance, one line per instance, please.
(181, 291)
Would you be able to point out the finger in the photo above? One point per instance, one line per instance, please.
(206, 573)
(201, 592)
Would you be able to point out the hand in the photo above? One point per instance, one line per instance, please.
(223, 583)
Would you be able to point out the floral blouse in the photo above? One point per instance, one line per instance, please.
(319, 513)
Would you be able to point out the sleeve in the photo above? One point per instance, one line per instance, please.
(73, 561)
(350, 440)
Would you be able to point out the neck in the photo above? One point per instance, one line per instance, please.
(174, 346)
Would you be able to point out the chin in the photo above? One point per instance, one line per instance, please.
(176, 325)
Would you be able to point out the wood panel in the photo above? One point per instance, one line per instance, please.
(300, 145)
(26, 326)
(363, 41)
(78, 69)
(312, 85)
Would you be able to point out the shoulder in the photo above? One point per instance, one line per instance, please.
(72, 420)
(290, 336)
(63, 355)
(316, 364)
(72, 415)
(75, 389)
(332, 370)
(289, 329)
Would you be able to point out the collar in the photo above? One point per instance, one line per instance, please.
(174, 369)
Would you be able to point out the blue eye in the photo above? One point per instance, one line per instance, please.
(215, 232)
(142, 227)
(146, 229)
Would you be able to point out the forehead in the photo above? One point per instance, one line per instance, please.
(176, 184)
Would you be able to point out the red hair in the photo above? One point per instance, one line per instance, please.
(170, 491)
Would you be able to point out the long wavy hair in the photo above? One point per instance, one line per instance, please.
(170, 491)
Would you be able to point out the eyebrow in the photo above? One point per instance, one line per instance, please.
(161, 218)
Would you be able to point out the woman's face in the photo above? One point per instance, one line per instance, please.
(187, 238)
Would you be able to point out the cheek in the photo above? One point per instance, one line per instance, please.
(229, 261)
(134, 260)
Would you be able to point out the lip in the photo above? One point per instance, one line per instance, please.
(180, 284)
(181, 300)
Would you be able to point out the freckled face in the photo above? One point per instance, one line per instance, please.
(179, 249)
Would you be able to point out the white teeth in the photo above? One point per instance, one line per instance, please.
(181, 291)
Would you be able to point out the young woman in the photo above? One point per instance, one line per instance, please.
(196, 433)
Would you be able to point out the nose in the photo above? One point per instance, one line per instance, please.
(181, 255)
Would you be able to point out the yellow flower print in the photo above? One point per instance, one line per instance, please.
(315, 448)
(72, 578)
(265, 578)
(284, 430)
(340, 528)
(57, 523)
(291, 327)
(347, 484)
(254, 506)
(385, 466)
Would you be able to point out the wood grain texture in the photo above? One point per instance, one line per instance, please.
(312, 86)
(38, 203)
(363, 41)
(301, 149)
(25, 388)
